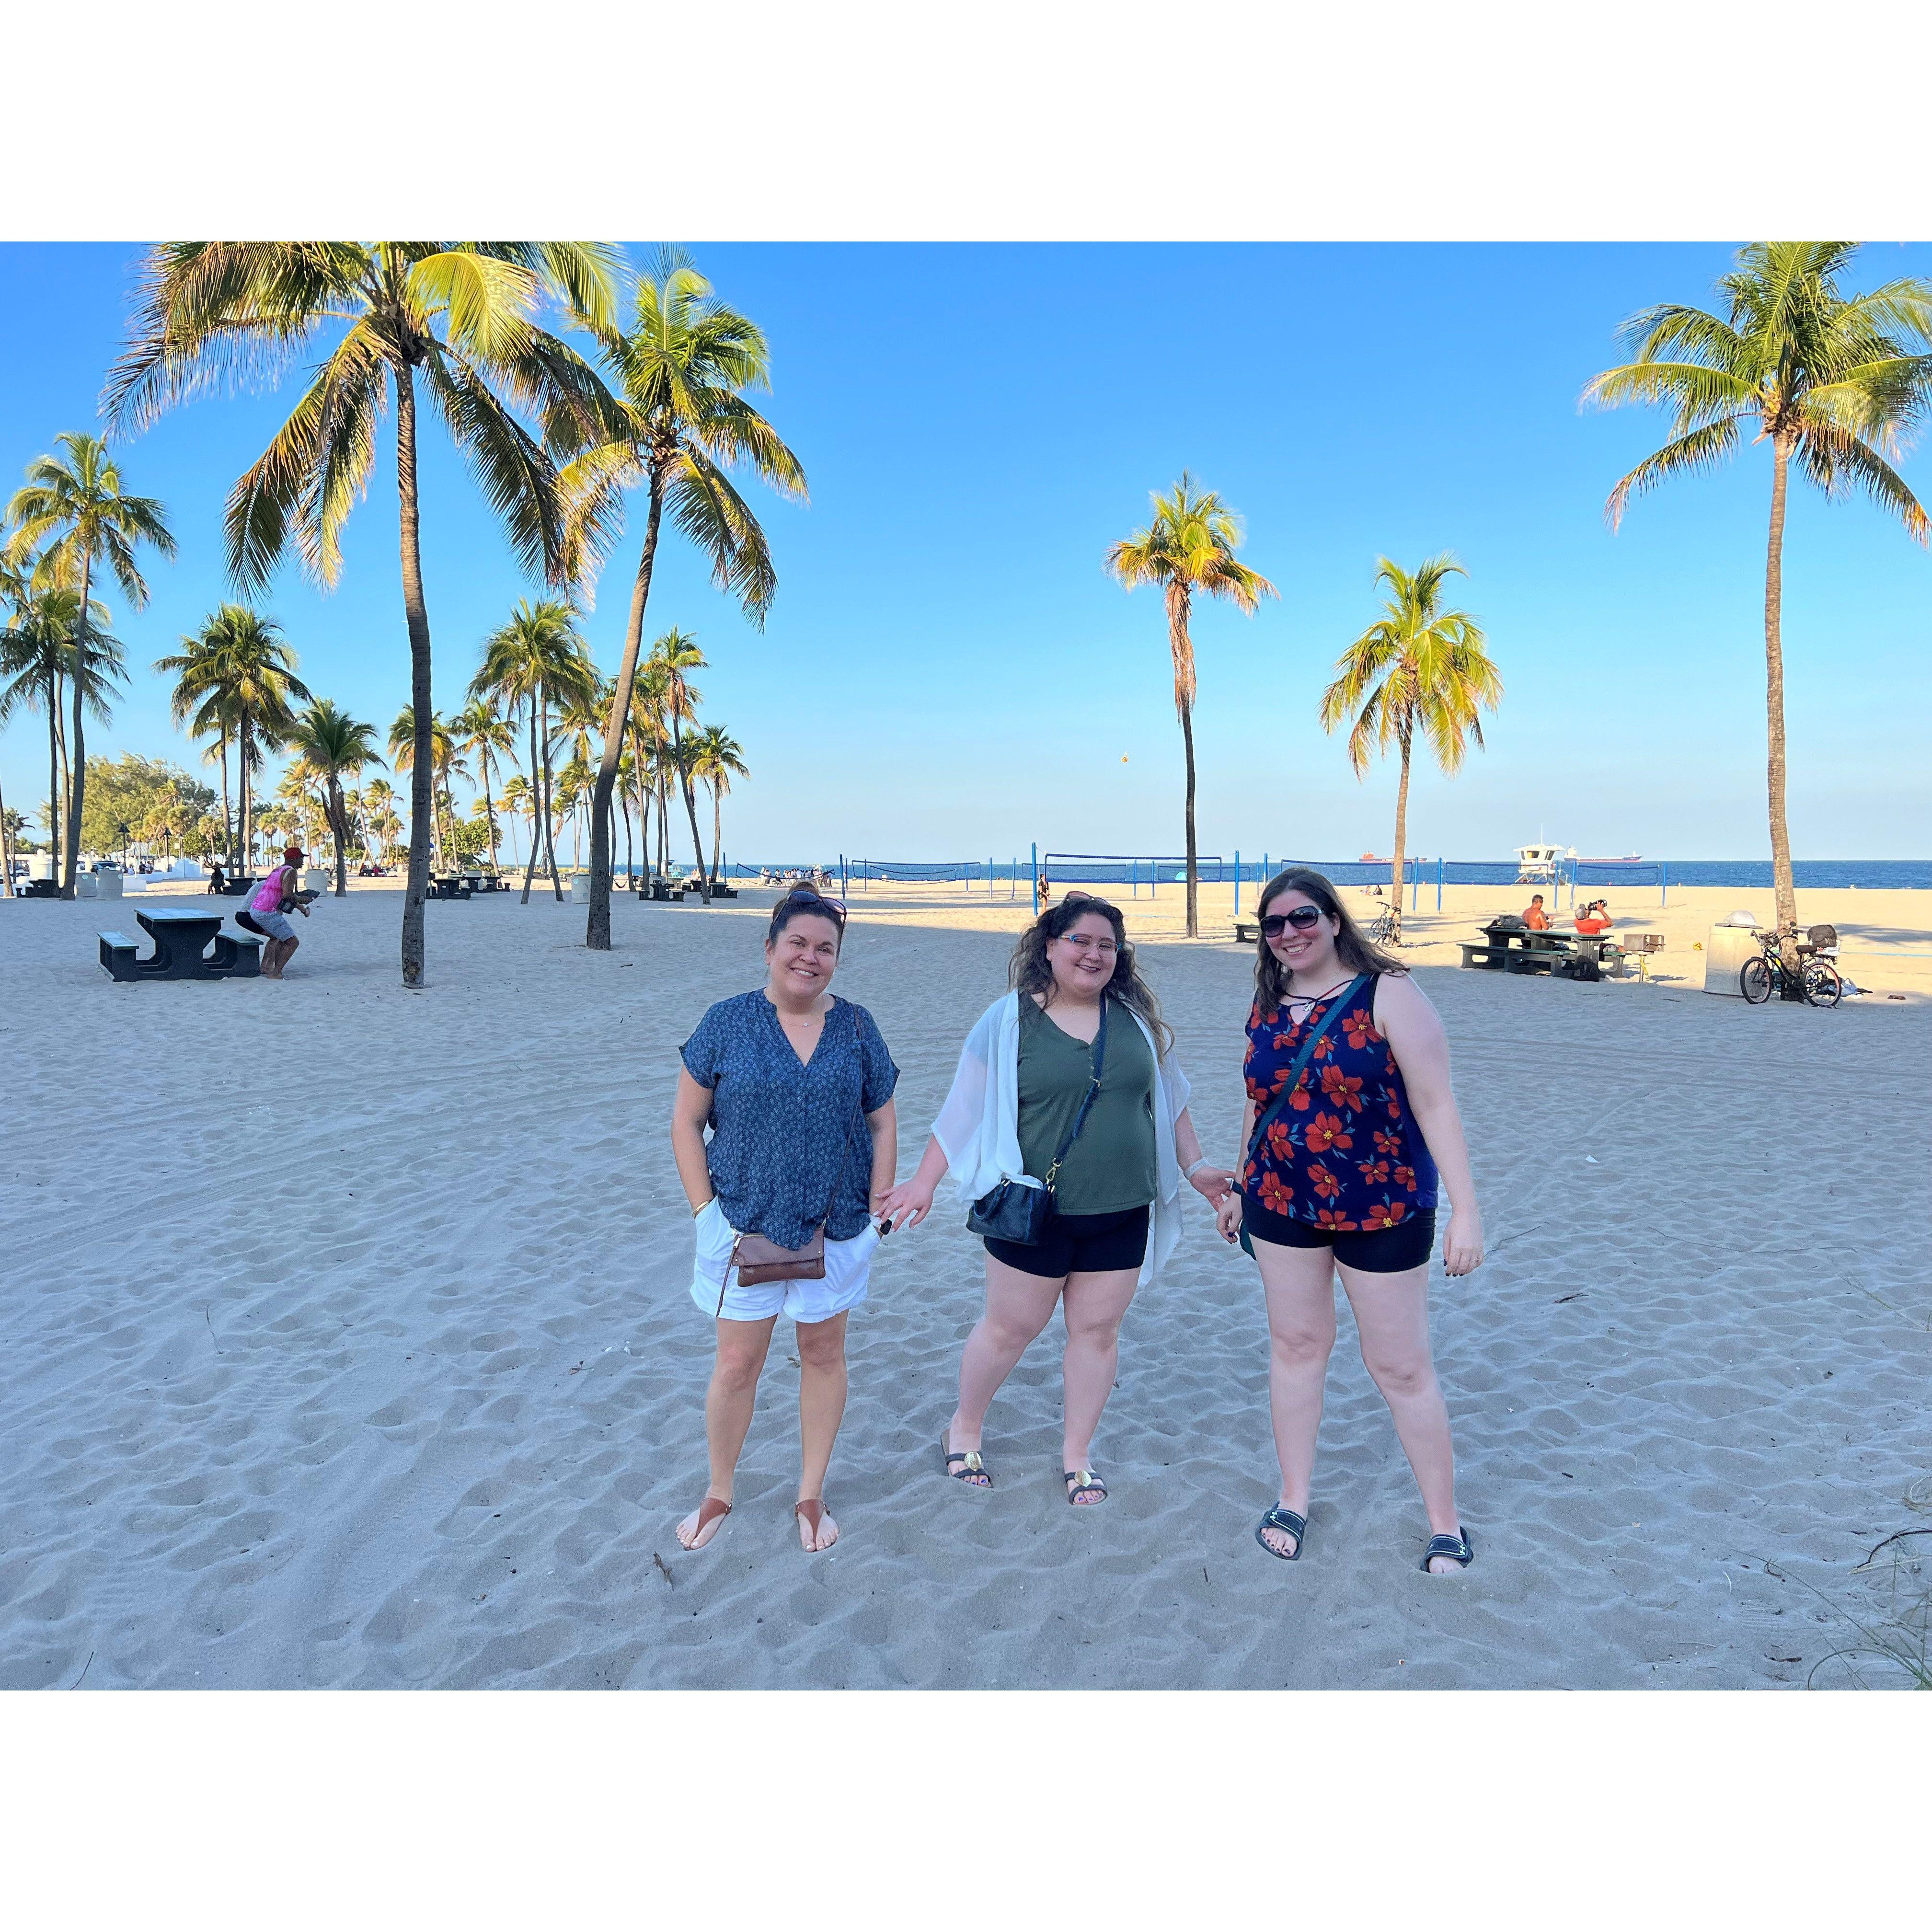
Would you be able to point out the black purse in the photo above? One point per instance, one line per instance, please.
(1294, 1073)
(1021, 1215)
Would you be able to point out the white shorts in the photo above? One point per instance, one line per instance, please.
(848, 1269)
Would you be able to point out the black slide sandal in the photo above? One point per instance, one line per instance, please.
(972, 1467)
(1291, 1523)
(1442, 1544)
(1086, 1483)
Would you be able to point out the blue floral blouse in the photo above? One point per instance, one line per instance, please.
(779, 1130)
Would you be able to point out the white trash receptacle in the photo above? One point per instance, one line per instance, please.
(40, 866)
(580, 888)
(315, 879)
(86, 886)
(107, 885)
(1726, 948)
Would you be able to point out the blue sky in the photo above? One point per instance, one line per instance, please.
(948, 671)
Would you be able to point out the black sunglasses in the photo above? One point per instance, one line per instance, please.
(1302, 918)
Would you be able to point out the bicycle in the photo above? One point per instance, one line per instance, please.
(1383, 932)
(1814, 979)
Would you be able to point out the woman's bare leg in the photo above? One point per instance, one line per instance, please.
(1299, 1285)
(728, 1404)
(1392, 1320)
(1018, 1305)
(1094, 1306)
(821, 1405)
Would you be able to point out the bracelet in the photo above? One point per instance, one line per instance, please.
(1189, 1173)
(700, 1209)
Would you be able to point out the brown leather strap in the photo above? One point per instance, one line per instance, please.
(813, 1509)
(710, 1509)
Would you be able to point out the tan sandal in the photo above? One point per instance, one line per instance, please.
(709, 1511)
(813, 1511)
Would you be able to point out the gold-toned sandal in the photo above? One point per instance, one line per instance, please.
(973, 1471)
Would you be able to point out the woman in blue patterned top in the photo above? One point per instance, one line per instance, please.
(797, 1087)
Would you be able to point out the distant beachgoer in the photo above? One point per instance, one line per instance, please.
(1534, 917)
(218, 880)
(1345, 1178)
(265, 910)
(797, 1087)
(1595, 917)
(1025, 1079)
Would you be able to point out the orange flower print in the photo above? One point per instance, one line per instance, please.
(1383, 1214)
(1279, 1143)
(1393, 1104)
(1375, 1172)
(1387, 1143)
(1327, 1185)
(1299, 1099)
(1326, 1133)
(1274, 1195)
(1332, 1217)
(1341, 1089)
(1325, 1046)
(1405, 1178)
(1360, 1026)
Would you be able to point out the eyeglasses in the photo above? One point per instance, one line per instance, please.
(1085, 942)
(1302, 918)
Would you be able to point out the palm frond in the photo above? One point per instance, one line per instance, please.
(1703, 449)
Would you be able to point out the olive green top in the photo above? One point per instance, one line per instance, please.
(1110, 1168)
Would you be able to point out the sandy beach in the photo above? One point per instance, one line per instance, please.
(346, 1338)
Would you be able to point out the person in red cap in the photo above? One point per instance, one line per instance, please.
(265, 914)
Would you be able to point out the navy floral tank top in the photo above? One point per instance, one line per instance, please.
(1345, 1152)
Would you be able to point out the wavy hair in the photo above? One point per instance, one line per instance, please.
(1353, 946)
(1030, 971)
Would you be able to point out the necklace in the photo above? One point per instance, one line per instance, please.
(1311, 1000)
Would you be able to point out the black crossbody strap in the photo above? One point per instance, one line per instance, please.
(1301, 1059)
(845, 1147)
(1092, 1087)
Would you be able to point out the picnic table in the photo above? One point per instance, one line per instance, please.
(180, 950)
(40, 889)
(1516, 948)
(233, 886)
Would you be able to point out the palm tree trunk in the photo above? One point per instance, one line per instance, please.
(227, 815)
(597, 930)
(630, 840)
(637, 788)
(550, 809)
(422, 773)
(690, 807)
(6, 852)
(489, 806)
(1193, 869)
(717, 829)
(339, 831)
(530, 870)
(77, 752)
(248, 821)
(1785, 893)
(53, 783)
(1401, 838)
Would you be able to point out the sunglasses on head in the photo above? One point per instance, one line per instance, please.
(803, 895)
(1301, 917)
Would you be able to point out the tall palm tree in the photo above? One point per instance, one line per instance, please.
(329, 743)
(518, 801)
(537, 660)
(73, 510)
(239, 669)
(404, 739)
(40, 656)
(479, 727)
(717, 757)
(650, 739)
(379, 800)
(1834, 382)
(456, 317)
(1187, 549)
(1418, 668)
(674, 654)
(678, 423)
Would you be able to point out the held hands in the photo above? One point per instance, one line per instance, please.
(1228, 1215)
(904, 1206)
(1462, 1242)
(1212, 1184)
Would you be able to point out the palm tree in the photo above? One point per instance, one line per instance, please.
(379, 800)
(329, 743)
(1188, 549)
(74, 505)
(1418, 668)
(237, 670)
(1834, 382)
(717, 757)
(478, 728)
(39, 656)
(678, 422)
(518, 801)
(650, 738)
(535, 660)
(404, 739)
(456, 316)
(674, 654)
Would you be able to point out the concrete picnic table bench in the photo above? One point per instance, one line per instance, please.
(1516, 948)
(180, 950)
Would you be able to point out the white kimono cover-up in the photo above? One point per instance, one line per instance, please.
(979, 1127)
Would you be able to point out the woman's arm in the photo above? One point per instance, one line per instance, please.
(688, 1113)
(885, 1126)
(1413, 1030)
(908, 1204)
(1211, 1182)
(1228, 1211)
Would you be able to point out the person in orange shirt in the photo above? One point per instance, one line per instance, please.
(1534, 917)
(1595, 918)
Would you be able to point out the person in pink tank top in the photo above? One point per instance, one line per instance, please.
(265, 913)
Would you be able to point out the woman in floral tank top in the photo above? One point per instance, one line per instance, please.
(1344, 1178)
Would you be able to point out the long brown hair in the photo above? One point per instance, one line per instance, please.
(1353, 946)
(1030, 971)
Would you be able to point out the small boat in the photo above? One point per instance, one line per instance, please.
(1628, 858)
(1369, 859)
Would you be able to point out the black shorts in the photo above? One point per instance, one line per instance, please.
(1371, 1251)
(1080, 1244)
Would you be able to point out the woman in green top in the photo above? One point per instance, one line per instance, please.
(1025, 1070)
